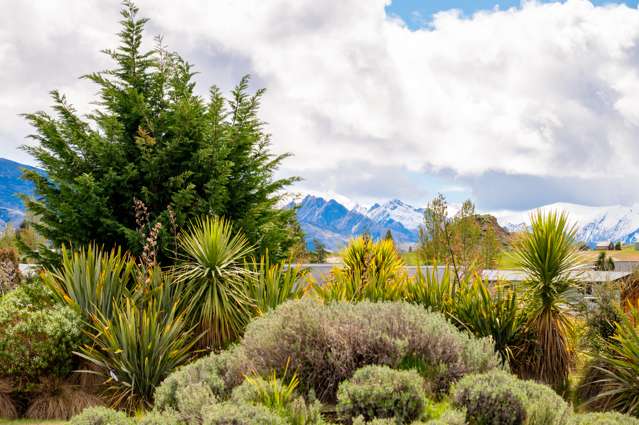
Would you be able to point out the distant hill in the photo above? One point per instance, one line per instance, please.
(594, 224)
(11, 185)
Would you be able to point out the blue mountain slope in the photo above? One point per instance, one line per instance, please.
(333, 224)
(11, 185)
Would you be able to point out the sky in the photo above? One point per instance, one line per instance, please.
(512, 104)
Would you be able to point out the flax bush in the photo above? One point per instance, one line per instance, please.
(326, 344)
(381, 392)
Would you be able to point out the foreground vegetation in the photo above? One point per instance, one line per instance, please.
(369, 344)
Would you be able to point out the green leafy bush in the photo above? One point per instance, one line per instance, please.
(608, 418)
(381, 392)
(37, 336)
(240, 414)
(498, 397)
(101, 416)
(219, 372)
(326, 344)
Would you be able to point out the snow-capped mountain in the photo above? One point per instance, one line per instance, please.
(594, 224)
(334, 224)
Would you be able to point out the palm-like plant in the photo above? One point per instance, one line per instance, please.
(90, 280)
(549, 255)
(213, 272)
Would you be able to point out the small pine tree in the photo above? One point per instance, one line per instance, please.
(319, 253)
(618, 246)
(389, 235)
(153, 138)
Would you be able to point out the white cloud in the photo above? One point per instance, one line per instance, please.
(546, 90)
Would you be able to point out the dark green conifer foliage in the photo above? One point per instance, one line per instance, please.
(153, 138)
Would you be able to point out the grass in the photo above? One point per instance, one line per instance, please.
(31, 422)
(410, 258)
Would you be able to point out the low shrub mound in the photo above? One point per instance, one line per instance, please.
(37, 336)
(240, 414)
(101, 416)
(498, 398)
(608, 418)
(163, 418)
(218, 373)
(381, 392)
(326, 344)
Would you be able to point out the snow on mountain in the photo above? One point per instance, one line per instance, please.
(334, 224)
(594, 224)
(397, 211)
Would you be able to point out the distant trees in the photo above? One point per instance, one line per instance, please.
(466, 241)
(604, 263)
(319, 253)
(153, 139)
(618, 246)
(389, 235)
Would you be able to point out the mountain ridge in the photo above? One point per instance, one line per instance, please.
(334, 224)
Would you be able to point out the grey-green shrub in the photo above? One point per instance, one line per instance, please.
(488, 398)
(37, 336)
(219, 372)
(379, 421)
(160, 418)
(191, 400)
(608, 418)
(240, 414)
(101, 416)
(326, 344)
(381, 392)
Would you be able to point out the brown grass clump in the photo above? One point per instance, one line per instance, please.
(8, 408)
(9, 270)
(57, 399)
(88, 377)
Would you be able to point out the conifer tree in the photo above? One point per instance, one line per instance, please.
(153, 139)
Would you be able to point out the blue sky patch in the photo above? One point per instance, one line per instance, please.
(418, 13)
